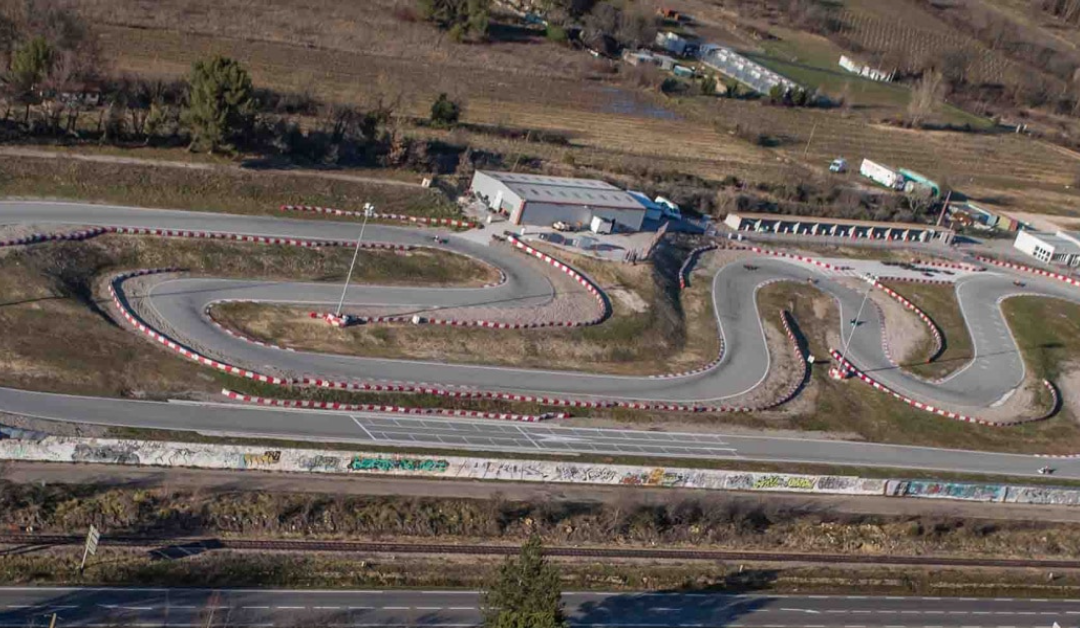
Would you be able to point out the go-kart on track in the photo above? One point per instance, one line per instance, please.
(177, 309)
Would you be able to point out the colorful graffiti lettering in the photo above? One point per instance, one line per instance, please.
(265, 458)
(426, 465)
(783, 481)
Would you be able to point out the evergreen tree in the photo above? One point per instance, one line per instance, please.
(445, 112)
(31, 64)
(525, 593)
(220, 102)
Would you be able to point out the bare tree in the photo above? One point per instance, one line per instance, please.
(925, 97)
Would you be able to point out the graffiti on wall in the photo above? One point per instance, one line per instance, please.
(265, 459)
(385, 465)
(104, 454)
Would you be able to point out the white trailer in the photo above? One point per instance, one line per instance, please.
(881, 174)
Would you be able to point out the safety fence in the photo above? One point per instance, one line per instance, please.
(939, 342)
(390, 409)
(786, 320)
(1028, 269)
(794, 256)
(849, 368)
(446, 222)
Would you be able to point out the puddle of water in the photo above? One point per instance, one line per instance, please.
(625, 103)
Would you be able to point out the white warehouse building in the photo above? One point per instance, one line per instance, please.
(530, 199)
(1062, 248)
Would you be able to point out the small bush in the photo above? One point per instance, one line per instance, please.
(445, 112)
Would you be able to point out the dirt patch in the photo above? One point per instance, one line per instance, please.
(630, 300)
(906, 336)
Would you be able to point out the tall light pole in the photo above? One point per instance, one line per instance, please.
(855, 321)
(369, 210)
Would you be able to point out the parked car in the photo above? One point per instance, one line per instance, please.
(562, 226)
(838, 165)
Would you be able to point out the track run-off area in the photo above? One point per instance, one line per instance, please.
(172, 308)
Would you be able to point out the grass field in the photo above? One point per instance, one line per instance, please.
(348, 57)
(940, 304)
(855, 409)
(648, 333)
(232, 190)
(1051, 347)
(62, 340)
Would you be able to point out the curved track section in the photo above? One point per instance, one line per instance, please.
(178, 305)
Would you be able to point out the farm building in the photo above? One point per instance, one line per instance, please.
(530, 199)
(1062, 248)
(838, 228)
(754, 75)
(873, 74)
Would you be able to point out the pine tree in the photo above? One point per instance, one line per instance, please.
(219, 103)
(525, 593)
(31, 64)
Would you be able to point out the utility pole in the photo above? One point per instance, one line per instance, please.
(855, 321)
(944, 208)
(52, 622)
(810, 139)
(369, 209)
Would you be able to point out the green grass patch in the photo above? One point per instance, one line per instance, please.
(940, 304)
(1047, 331)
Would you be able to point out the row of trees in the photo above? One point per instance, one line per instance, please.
(464, 20)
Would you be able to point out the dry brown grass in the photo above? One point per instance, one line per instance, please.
(59, 338)
(659, 338)
(233, 190)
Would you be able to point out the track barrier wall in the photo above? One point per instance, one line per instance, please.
(250, 457)
(214, 456)
(876, 385)
(1029, 269)
(445, 222)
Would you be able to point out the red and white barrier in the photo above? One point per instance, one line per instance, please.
(574, 274)
(798, 258)
(934, 330)
(369, 407)
(137, 323)
(853, 370)
(940, 282)
(971, 268)
(37, 238)
(202, 235)
(1029, 269)
(684, 275)
(447, 222)
(208, 312)
(789, 394)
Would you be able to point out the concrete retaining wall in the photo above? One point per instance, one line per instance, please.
(211, 456)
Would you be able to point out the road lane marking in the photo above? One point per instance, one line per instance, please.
(290, 608)
(255, 608)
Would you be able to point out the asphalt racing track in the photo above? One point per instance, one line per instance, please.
(177, 307)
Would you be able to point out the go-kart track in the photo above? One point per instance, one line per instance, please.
(174, 308)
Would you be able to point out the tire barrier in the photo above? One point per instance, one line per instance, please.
(605, 308)
(86, 234)
(1029, 269)
(133, 319)
(798, 258)
(446, 222)
(209, 314)
(939, 282)
(939, 342)
(684, 270)
(38, 238)
(971, 268)
(786, 319)
(370, 407)
(116, 292)
(851, 369)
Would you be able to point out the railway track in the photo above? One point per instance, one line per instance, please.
(197, 545)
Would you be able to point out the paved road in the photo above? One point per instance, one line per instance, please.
(179, 305)
(24, 607)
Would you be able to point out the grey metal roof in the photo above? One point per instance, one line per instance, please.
(535, 188)
(1061, 244)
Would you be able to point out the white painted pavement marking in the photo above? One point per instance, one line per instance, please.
(364, 429)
